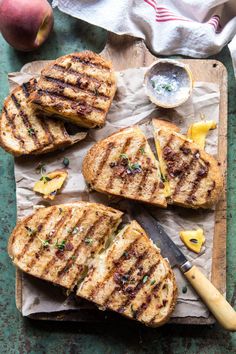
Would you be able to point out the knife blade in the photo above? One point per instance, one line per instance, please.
(215, 301)
(159, 236)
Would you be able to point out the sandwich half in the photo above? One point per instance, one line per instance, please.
(77, 87)
(22, 132)
(124, 165)
(57, 243)
(75, 246)
(192, 177)
(132, 278)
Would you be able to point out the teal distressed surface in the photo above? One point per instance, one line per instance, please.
(21, 335)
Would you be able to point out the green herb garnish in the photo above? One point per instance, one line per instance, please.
(88, 240)
(167, 87)
(31, 131)
(60, 245)
(31, 232)
(73, 257)
(145, 278)
(45, 179)
(45, 243)
(40, 168)
(159, 87)
(135, 166)
(75, 230)
(124, 156)
(163, 178)
(184, 289)
(66, 161)
(153, 282)
(142, 150)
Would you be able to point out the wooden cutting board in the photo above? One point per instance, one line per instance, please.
(127, 52)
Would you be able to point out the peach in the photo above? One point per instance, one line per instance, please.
(25, 24)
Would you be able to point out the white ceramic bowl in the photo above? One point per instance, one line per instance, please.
(168, 83)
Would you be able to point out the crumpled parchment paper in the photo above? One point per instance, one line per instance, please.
(130, 106)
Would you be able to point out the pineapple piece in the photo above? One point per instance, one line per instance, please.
(198, 131)
(51, 183)
(193, 239)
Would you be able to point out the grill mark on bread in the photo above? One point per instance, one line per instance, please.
(26, 89)
(89, 232)
(138, 287)
(25, 119)
(129, 273)
(209, 191)
(88, 62)
(115, 264)
(71, 100)
(65, 268)
(183, 176)
(39, 227)
(80, 75)
(48, 134)
(127, 177)
(168, 275)
(155, 291)
(145, 175)
(11, 122)
(168, 142)
(92, 250)
(153, 191)
(64, 84)
(200, 174)
(102, 163)
(43, 249)
(47, 130)
(123, 151)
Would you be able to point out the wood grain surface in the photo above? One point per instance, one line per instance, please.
(127, 52)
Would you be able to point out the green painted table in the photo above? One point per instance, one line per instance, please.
(21, 335)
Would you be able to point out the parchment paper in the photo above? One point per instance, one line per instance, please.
(129, 106)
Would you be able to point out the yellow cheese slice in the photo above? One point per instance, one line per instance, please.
(198, 131)
(193, 239)
(167, 191)
(49, 184)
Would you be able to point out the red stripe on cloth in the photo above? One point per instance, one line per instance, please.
(172, 19)
(151, 2)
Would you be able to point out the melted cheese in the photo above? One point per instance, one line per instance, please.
(50, 184)
(197, 132)
(193, 239)
(167, 191)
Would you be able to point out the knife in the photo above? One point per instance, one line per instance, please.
(214, 300)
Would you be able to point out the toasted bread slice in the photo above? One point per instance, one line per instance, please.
(57, 243)
(78, 87)
(192, 177)
(132, 278)
(124, 165)
(22, 132)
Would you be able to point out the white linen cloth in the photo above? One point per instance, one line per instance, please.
(194, 28)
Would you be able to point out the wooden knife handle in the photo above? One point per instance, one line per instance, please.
(217, 304)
